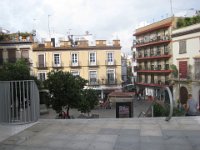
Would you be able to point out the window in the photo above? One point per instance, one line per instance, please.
(92, 77)
(151, 51)
(24, 53)
(182, 47)
(75, 73)
(110, 58)
(166, 50)
(159, 79)
(74, 59)
(41, 62)
(145, 66)
(152, 78)
(57, 59)
(183, 69)
(42, 76)
(158, 51)
(158, 65)
(146, 78)
(110, 76)
(11, 55)
(145, 53)
(92, 58)
(197, 68)
(152, 66)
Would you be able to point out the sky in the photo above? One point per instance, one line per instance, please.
(104, 19)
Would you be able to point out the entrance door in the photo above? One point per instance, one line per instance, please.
(183, 95)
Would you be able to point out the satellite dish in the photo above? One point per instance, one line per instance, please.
(34, 32)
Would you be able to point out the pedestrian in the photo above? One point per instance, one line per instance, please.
(190, 106)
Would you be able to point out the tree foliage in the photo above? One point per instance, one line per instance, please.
(65, 90)
(15, 71)
(174, 70)
(88, 101)
(183, 22)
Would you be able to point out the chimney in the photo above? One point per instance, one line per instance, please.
(53, 42)
(65, 43)
(100, 43)
(116, 43)
(47, 44)
(83, 43)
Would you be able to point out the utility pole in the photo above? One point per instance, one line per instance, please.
(172, 14)
(49, 26)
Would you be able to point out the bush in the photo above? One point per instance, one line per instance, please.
(159, 110)
(163, 111)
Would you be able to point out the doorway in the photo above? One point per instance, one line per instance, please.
(183, 95)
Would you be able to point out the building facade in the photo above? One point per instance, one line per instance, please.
(15, 48)
(99, 64)
(186, 57)
(154, 54)
(124, 68)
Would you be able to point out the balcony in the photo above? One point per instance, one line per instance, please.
(111, 82)
(151, 41)
(42, 66)
(94, 82)
(74, 64)
(152, 83)
(93, 64)
(154, 69)
(110, 63)
(153, 56)
(58, 65)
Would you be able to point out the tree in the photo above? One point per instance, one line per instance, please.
(15, 71)
(88, 101)
(65, 90)
(174, 70)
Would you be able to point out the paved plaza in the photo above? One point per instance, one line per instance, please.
(138, 107)
(181, 133)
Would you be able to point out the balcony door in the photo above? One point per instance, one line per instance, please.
(25, 53)
(11, 55)
(111, 76)
(92, 77)
(41, 62)
(57, 62)
(74, 59)
(152, 78)
(92, 58)
(110, 59)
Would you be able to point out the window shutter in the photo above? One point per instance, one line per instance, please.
(183, 69)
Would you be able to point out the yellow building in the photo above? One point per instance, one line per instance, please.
(99, 64)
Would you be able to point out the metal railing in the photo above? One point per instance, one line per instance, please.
(150, 108)
(19, 102)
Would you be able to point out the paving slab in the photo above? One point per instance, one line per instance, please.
(105, 134)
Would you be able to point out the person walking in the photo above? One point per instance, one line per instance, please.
(191, 106)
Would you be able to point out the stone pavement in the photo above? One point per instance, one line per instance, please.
(180, 133)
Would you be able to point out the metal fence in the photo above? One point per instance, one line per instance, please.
(19, 102)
